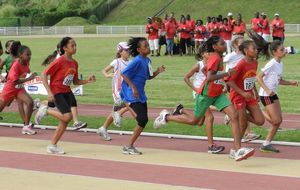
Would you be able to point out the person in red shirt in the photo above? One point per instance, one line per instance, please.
(231, 21)
(243, 93)
(214, 27)
(63, 72)
(14, 88)
(162, 35)
(190, 22)
(226, 33)
(211, 93)
(239, 27)
(185, 37)
(277, 25)
(199, 33)
(152, 31)
(171, 28)
(265, 27)
(256, 23)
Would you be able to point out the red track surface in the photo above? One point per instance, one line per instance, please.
(289, 120)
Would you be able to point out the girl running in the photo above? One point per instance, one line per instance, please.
(7, 61)
(63, 72)
(77, 124)
(269, 78)
(14, 88)
(231, 60)
(210, 93)
(243, 93)
(119, 107)
(135, 75)
(199, 77)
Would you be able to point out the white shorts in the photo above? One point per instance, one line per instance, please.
(266, 37)
(199, 40)
(153, 44)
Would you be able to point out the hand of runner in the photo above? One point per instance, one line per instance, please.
(91, 79)
(247, 95)
(33, 75)
(135, 93)
(161, 69)
(51, 97)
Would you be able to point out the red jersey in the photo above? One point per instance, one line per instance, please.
(185, 34)
(213, 88)
(278, 28)
(62, 74)
(170, 29)
(152, 30)
(241, 29)
(199, 32)
(254, 24)
(266, 27)
(225, 31)
(244, 76)
(191, 24)
(16, 72)
(213, 28)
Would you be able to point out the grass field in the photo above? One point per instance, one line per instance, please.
(201, 9)
(167, 89)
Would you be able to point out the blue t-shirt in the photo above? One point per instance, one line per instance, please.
(138, 71)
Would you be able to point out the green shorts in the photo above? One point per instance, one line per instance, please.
(203, 102)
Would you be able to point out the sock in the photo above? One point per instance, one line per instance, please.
(266, 143)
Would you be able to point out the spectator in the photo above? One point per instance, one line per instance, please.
(265, 27)
(278, 28)
(152, 31)
(256, 23)
(213, 27)
(199, 34)
(225, 33)
(162, 36)
(171, 28)
(239, 27)
(185, 38)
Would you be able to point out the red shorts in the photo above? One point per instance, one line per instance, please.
(9, 93)
(239, 102)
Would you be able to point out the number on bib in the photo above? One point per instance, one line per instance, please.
(249, 83)
(68, 80)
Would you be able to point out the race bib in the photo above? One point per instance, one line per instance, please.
(68, 80)
(18, 86)
(150, 69)
(219, 81)
(249, 83)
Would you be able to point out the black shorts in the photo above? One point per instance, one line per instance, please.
(162, 40)
(277, 38)
(64, 102)
(267, 100)
(141, 111)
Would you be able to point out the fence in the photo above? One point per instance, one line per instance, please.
(140, 29)
(41, 30)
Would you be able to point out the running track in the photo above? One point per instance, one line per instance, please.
(291, 121)
(91, 163)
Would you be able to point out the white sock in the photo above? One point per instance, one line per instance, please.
(266, 143)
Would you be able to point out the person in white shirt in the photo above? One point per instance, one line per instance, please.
(117, 65)
(269, 78)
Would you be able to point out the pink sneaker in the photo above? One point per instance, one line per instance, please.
(27, 130)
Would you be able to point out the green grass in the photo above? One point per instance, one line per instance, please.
(89, 27)
(164, 91)
(172, 128)
(123, 14)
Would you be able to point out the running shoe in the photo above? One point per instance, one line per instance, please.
(251, 137)
(79, 125)
(103, 133)
(268, 148)
(41, 113)
(178, 109)
(28, 130)
(117, 118)
(54, 149)
(36, 104)
(226, 119)
(161, 119)
(243, 154)
(232, 154)
(131, 150)
(215, 149)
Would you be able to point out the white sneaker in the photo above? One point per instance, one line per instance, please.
(226, 119)
(232, 154)
(40, 114)
(27, 130)
(36, 104)
(54, 149)
(103, 133)
(117, 118)
(160, 120)
(243, 154)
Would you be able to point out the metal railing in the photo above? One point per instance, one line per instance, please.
(41, 30)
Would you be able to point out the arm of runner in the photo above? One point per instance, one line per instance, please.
(286, 82)
(106, 70)
(46, 85)
(158, 71)
(23, 80)
(234, 87)
(260, 81)
(187, 77)
(135, 92)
